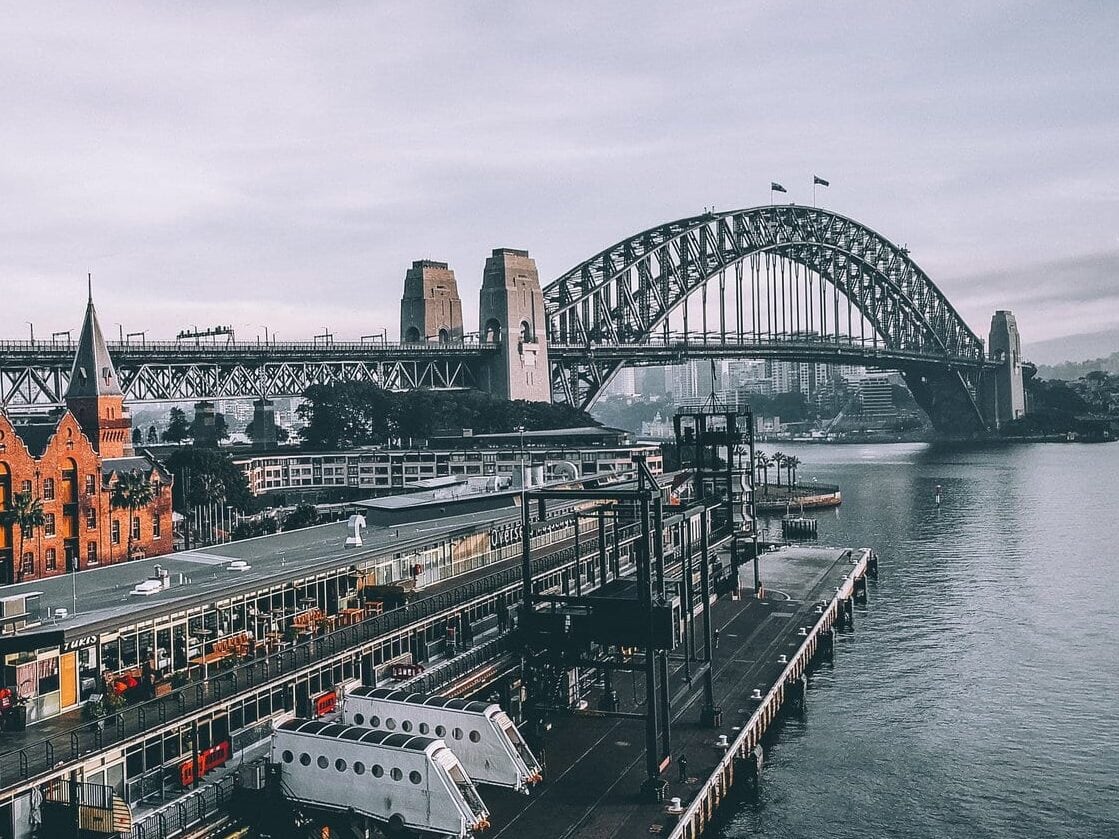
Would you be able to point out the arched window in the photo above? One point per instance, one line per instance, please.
(526, 331)
(444, 336)
(412, 336)
(492, 333)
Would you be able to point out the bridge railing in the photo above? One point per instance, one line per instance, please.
(138, 348)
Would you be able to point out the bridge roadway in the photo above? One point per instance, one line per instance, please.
(55, 747)
(594, 765)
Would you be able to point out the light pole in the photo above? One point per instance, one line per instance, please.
(265, 328)
(29, 323)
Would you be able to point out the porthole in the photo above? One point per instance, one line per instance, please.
(305, 759)
(359, 767)
(390, 724)
(475, 737)
(340, 765)
(457, 733)
(324, 761)
(288, 756)
(440, 731)
(415, 777)
(359, 719)
(377, 770)
(396, 774)
(406, 725)
(424, 728)
(374, 722)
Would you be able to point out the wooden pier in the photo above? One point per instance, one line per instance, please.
(594, 764)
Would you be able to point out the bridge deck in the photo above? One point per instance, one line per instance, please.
(594, 766)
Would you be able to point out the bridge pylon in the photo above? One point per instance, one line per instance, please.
(1002, 388)
(511, 315)
(430, 309)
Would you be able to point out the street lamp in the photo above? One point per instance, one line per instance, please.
(265, 328)
(29, 323)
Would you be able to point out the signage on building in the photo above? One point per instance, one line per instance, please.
(79, 643)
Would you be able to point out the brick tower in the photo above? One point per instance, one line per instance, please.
(511, 314)
(430, 310)
(94, 396)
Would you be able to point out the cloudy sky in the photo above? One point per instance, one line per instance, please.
(282, 164)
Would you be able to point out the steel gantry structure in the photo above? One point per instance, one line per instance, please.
(786, 282)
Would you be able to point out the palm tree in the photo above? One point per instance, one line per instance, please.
(27, 512)
(131, 492)
(762, 463)
(791, 464)
(779, 459)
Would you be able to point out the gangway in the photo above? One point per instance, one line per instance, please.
(480, 734)
(398, 780)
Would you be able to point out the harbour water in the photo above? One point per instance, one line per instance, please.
(978, 695)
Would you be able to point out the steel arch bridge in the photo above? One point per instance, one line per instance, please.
(788, 282)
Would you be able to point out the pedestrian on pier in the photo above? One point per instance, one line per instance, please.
(682, 763)
(715, 637)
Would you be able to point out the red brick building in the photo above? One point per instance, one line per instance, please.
(70, 461)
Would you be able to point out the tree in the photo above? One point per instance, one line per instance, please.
(207, 476)
(137, 437)
(779, 461)
(178, 429)
(153, 436)
(762, 464)
(304, 515)
(132, 492)
(791, 464)
(26, 512)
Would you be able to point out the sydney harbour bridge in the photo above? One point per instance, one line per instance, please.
(775, 282)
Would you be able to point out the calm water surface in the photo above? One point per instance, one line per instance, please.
(979, 693)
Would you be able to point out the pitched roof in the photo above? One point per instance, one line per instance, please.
(93, 373)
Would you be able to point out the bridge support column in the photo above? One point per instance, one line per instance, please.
(1002, 388)
(264, 424)
(430, 310)
(511, 314)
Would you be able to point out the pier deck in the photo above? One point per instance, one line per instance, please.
(595, 765)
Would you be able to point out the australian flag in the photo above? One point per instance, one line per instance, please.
(817, 180)
(776, 187)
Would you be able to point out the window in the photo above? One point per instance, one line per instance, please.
(377, 770)
(359, 719)
(374, 722)
(340, 765)
(48, 489)
(90, 485)
(457, 733)
(305, 759)
(135, 527)
(157, 529)
(440, 731)
(390, 724)
(406, 725)
(424, 728)
(359, 767)
(114, 533)
(324, 761)
(396, 774)
(28, 564)
(415, 777)
(91, 519)
(287, 756)
(50, 560)
(48, 524)
(475, 737)
(91, 553)
(25, 486)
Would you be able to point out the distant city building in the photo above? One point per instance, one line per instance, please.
(877, 397)
(625, 382)
(651, 381)
(563, 453)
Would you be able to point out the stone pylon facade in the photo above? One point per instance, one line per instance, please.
(430, 310)
(511, 314)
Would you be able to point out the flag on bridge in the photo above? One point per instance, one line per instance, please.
(816, 179)
(776, 187)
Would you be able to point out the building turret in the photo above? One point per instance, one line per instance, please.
(1004, 387)
(94, 396)
(430, 310)
(511, 315)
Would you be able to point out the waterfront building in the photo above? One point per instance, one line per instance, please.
(876, 395)
(562, 453)
(70, 461)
